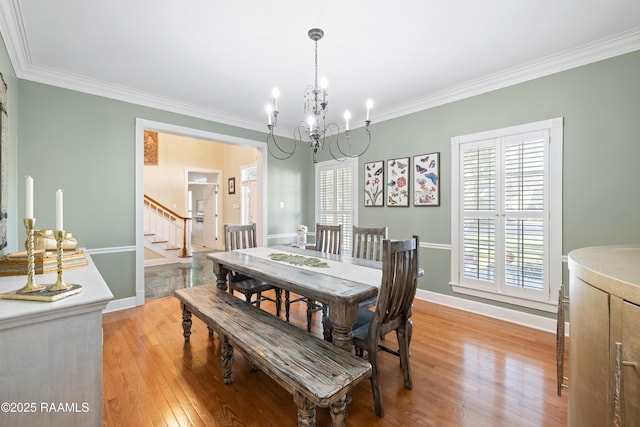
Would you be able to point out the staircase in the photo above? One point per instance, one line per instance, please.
(167, 235)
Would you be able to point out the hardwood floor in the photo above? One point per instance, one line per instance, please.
(468, 370)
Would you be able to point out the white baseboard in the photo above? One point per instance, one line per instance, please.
(525, 319)
(120, 304)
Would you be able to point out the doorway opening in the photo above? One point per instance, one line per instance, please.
(260, 192)
(203, 206)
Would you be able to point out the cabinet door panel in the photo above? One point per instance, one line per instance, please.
(631, 353)
(588, 356)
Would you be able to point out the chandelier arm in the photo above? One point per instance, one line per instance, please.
(298, 130)
(348, 141)
(286, 154)
(330, 128)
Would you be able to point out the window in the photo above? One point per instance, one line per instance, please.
(507, 214)
(336, 191)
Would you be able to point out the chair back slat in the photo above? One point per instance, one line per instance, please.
(239, 236)
(329, 238)
(367, 242)
(399, 284)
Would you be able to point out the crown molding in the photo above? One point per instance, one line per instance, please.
(127, 94)
(599, 50)
(16, 42)
(12, 30)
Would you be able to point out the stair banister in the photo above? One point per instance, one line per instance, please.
(173, 217)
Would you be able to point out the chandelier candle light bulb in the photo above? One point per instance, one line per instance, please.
(269, 112)
(276, 94)
(347, 116)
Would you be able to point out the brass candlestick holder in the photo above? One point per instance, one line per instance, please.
(31, 285)
(60, 284)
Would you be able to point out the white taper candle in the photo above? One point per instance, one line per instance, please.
(59, 223)
(29, 198)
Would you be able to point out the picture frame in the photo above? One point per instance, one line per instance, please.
(397, 182)
(426, 182)
(374, 184)
(150, 148)
(232, 185)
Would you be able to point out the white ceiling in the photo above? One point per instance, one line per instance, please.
(220, 59)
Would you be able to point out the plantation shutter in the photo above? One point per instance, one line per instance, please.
(479, 208)
(503, 205)
(336, 199)
(524, 207)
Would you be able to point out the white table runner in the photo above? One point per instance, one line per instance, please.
(356, 273)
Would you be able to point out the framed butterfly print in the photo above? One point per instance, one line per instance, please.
(397, 181)
(374, 184)
(426, 182)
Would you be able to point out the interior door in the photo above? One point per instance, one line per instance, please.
(253, 201)
(210, 215)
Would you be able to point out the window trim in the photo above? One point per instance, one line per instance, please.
(548, 302)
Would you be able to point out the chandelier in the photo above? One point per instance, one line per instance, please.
(315, 130)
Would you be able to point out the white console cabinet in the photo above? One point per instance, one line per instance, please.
(51, 353)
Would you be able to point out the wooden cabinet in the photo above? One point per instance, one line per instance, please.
(604, 349)
(631, 362)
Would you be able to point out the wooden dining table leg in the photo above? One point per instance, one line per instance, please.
(306, 410)
(221, 273)
(338, 412)
(186, 323)
(342, 318)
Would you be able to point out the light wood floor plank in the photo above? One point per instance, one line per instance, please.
(468, 370)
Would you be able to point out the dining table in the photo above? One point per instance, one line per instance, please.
(340, 281)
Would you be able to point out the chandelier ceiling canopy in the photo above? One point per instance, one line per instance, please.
(314, 129)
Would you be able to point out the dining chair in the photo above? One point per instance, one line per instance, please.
(393, 311)
(243, 237)
(367, 242)
(328, 240)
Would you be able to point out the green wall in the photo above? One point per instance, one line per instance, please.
(600, 104)
(85, 145)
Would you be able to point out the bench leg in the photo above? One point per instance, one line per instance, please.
(186, 323)
(339, 412)
(226, 350)
(306, 411)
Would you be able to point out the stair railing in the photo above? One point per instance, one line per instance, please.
(167, 224)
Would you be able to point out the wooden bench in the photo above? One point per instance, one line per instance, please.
(314, 371)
